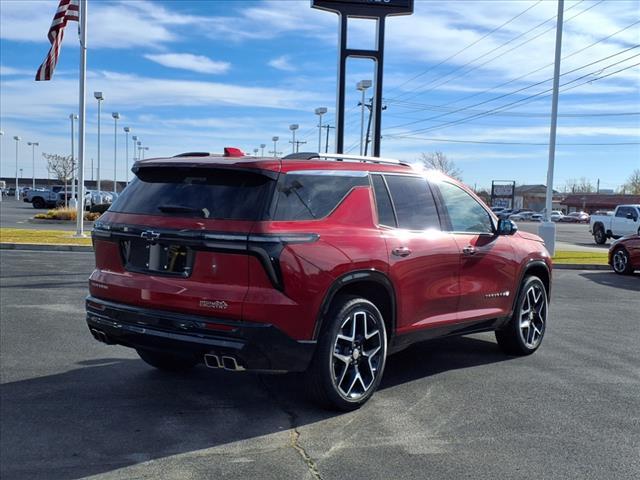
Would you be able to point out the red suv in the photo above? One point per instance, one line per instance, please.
(318, 263)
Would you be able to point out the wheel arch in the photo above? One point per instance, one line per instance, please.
(372, 285)
(538, 268)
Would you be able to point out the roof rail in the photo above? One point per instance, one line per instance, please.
(342, 156)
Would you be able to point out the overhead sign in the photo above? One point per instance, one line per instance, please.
(364, 7)
(503, 190)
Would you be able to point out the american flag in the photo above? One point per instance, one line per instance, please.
(68, 10)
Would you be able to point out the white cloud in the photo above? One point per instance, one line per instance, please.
(188, 61)
(282, 63)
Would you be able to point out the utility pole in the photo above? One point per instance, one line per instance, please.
(326, 145)
(297, 145)
(598, 187)
(548, 228)
(370, 107)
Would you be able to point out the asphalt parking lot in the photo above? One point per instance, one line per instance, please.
(16, 214)
(455, 408)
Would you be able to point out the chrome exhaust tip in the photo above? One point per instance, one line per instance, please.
(212, 361)
(99, 336)
(230, 363)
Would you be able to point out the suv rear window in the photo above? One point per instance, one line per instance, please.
(205, 193)
(304, 196)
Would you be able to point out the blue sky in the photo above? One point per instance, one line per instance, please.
(201, 75)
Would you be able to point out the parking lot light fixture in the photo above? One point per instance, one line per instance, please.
(362, 86)
(17, 139)
(293, 127)
(134, 138)
(33, 146)
(262, 147)
(100, 98)
(275, 146)
(116, 117)
(126, 155)
(320, 111)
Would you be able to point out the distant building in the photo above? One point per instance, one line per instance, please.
(591, 202)
(533, 197)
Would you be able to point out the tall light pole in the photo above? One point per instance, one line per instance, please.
(139, 142)
(293, 127)
(116, 117)
(275, 146)
(134, 138)
(126, 157)
(1, 137)
(99, 97)
(362, 86)
(255, 152)
(33, 146)
(320, 111)
(17, 139)
(144, 149)
(547, 229)
(262, 146)
(74, 201)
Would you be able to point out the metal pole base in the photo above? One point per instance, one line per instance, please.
(547, 231)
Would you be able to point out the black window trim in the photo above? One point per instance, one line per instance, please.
(375, 197)
(435, 201)
(445, 212)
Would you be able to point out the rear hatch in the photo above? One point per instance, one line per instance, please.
(177, 239)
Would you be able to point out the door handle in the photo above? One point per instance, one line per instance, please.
(469, 250)
(401, 251)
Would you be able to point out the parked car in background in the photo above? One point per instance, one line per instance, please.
(624, 255)
(556, 216)
(624, 221)
(524, 215)
(576, 217)
(316, 263)
(45, 197)
(92, 198)
(537, 217)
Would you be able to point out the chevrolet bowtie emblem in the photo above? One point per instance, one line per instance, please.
(150, 235)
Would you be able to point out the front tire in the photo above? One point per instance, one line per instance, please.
(621, 262)
(599, 236)
(350, 357)
(524, 332)
(166, 361)
(38, 203)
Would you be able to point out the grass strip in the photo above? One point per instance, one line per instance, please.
(41, 237)
(590, 258)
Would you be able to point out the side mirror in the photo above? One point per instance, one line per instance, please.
(506, 227)
(630, 216)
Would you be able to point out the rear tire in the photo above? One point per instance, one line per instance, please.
(523, 334)
(350, 356)
(166, 361)
(621, 262)
(599, 236)
(38, 202)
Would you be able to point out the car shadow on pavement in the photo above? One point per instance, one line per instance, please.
(109, 413)
(612, 279)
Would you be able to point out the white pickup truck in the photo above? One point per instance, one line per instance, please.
(624, 221)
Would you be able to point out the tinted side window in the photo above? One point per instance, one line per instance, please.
(383, 202)
(307, 197)
(414, 204)
(465, 213)
(622, 212)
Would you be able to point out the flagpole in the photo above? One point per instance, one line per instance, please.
(81, 119)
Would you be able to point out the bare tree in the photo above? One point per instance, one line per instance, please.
(62, 167)
(439, 161)
(582, 185)
(632, 187)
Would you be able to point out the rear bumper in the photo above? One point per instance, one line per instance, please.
(255, 346)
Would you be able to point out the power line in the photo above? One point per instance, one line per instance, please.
(531, 97)
(461, 109)
(487, 142)
(457, 69)
(545, 66)
(467, 47)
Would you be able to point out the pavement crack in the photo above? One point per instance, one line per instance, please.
(294, 433)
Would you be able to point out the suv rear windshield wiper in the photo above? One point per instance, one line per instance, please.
(183, 209)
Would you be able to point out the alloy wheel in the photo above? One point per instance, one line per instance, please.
(533, 316)
(620, 261)
(357, 354)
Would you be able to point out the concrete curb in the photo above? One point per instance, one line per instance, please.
(579, 266)
(46, 221)
(46, 247)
